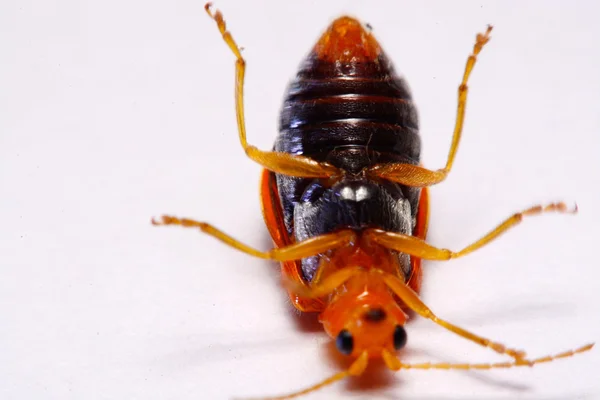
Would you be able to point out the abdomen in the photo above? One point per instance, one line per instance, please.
(348, 107)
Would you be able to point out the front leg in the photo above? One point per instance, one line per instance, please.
(412, 300)
(295, 251)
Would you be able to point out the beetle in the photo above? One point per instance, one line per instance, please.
(345, 199)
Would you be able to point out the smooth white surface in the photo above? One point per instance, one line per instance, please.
(116, 111)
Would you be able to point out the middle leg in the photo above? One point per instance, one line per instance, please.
(419, 248)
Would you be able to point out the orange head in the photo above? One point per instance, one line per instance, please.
(365, 318)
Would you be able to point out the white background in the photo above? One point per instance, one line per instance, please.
(113, 112)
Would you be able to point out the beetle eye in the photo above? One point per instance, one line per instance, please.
(345, 342)
(399, 337)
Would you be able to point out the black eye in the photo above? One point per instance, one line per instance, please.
(399, 337)
(345, 342)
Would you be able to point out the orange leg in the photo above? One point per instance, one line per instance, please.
(295, 284)
(281, 163)
(326, 286)
(296, 251)
(419, 248)
(414, 175)
(411, 299)
(300, 291)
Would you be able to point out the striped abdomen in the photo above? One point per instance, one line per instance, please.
(349, 108)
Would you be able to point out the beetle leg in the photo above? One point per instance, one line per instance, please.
(296, 285)
(281, 163)
(326, 286)
(296, 251)
(302, 304)
(411, 299)
(414, 175)
(419, 248)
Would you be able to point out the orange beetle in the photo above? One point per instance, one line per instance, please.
(345, 199)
